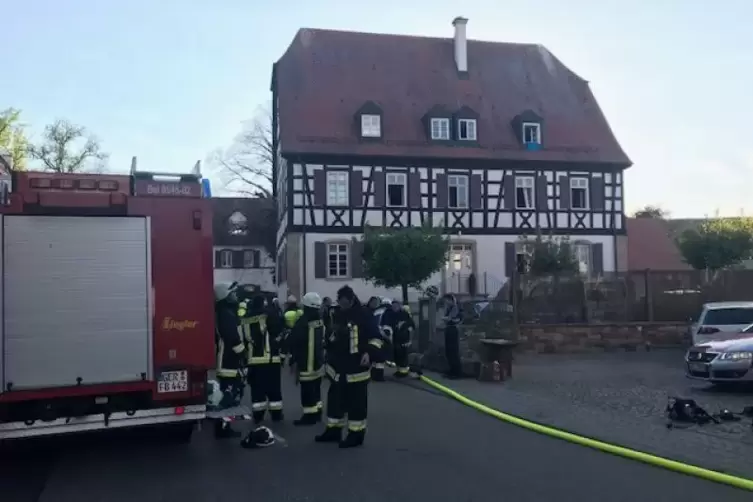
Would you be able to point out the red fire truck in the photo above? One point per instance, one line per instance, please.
(106, 303)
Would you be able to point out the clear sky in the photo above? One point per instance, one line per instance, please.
(171, 80)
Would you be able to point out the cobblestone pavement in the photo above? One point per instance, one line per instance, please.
(420, 448)
(621, 398)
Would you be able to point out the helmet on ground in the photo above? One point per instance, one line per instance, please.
(259, 438)
(223, 289)
(312, 300)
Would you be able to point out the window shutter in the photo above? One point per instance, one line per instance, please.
(320, 260)
(597, 194)
(356, 259)
(217, 259)
(237, 260)
(564, 192)
(476, 194)
(541, 197)
(379, 188)
(441, 191)
(355, 179)
(257, 258)
(510, 262)
(320, 187)
(414, 190)
(597, 259)
(509, 191)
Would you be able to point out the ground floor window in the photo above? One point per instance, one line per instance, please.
(337, 260)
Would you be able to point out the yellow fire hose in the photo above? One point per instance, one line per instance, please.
(647, 458)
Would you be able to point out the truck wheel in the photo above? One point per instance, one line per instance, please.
(181, 433)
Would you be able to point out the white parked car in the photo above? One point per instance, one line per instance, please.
(720, 319)
(725, 360)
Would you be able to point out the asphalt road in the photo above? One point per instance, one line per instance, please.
(420, 447)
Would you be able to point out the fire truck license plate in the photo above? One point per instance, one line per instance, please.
(172, 381)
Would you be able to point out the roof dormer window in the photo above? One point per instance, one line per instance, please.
(440, 129)
(531, 133)
(467, 129)
(371, 126)
(237, 224)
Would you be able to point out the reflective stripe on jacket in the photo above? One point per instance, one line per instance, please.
(263, 347)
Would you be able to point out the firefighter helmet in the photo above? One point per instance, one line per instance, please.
(259, 438)
(386, 301)
(312, 300)
(223, 290)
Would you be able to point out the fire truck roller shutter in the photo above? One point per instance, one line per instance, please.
(76, 300)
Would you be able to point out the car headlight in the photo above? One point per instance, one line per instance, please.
(736, 356)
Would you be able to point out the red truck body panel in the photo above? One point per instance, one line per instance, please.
(181, 261)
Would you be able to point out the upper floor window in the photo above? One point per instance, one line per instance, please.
(371, 126)
(337, 188)
(531, 133)
(337, 260)
(579, 193)
(226, 258)
(467, 129)
(524, 192)
(457, 186)
(440, 128)
(396, 189)
(249, 259)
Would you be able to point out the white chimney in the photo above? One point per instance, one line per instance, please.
(461, 44)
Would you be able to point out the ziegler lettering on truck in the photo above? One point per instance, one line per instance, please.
(170, 324)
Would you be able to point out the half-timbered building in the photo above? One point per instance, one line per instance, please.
(492, 141)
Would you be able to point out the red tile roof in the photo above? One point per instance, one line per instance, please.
(651, 246)
(325, 76)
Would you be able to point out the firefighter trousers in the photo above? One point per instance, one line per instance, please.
(378, 365)
(401, 349)
(347, 404)
(311, 396)
(265, 381)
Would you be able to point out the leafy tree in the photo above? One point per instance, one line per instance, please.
(649, 211)
(12, 137)
(403, 257)
(549, 256)
(717, 243)
(247, 164)
(68, 148)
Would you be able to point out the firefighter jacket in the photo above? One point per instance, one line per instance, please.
(307, 345)
(291, 316)
(354, 334)
(229, 344)
(262, 335)
(401, 323)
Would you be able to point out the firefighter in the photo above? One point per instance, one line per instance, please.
(230, 354)
(350, 346)
(401, 322)
(307, 357)
(375, 308)
(452, 317)
(263, 336)
(291, 315)
(328, 311)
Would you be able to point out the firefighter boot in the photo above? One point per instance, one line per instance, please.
(353, 439)
(377, 373)
(276, 415)
(308, 419)
(223, 430)
(330, 435)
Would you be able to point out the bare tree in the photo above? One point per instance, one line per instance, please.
(247, 164)
(60, 152)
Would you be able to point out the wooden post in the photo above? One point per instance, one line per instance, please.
(649, 295)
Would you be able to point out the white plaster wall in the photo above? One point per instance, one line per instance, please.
(263, 277)
(490, 260)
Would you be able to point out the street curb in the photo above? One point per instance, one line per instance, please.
(622, 451)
